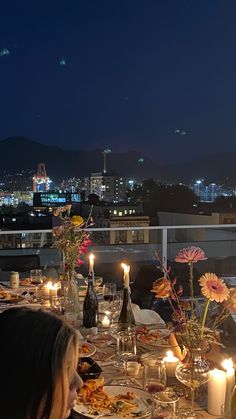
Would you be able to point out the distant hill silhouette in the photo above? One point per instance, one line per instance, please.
(19, 152)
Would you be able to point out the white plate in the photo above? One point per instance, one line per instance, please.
(142, 398)
(159, 341)
(91, 351)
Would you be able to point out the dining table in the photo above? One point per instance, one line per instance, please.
(106, 357)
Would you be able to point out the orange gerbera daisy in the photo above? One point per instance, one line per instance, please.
(213, 288)
(191, 254)
(162, 288)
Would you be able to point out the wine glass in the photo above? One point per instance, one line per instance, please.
(126, 347)
(193, 373)
(36, 278)
(109, 292)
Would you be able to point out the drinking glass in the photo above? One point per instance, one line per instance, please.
(36, 278)
(166, 405)
(98, 280)
(126, 347)
(154, 375)
(58, 305)
(109, 292)
(70, 307)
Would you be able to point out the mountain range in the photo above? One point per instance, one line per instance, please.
(19, 153)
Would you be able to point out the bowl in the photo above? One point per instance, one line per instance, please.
(88, 369)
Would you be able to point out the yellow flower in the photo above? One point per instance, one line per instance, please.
(162, 288)
(77, 220)
(213, 287)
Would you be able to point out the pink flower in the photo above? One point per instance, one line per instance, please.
(190, 254)
(79, 262)
(87, 243)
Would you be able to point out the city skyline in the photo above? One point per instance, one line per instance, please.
(155, 76)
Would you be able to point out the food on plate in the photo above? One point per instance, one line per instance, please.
(104, 356)
(83, 367)
(26, 281)
(88, 369)
(153, 337)
(9, 297)
(85, 348)
(101, 340)
(94, 396)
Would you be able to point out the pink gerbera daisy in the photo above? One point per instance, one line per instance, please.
(213, 287)
(190, 254)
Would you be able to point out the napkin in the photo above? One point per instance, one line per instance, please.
(146, 317)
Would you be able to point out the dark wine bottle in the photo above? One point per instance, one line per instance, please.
(90, 307)
(126, 317)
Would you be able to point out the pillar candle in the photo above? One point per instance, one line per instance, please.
(171, 364)
(216, 392)
(53, 291)
(230, 382)
(46, 290)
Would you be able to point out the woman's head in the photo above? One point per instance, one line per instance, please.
(38, 353)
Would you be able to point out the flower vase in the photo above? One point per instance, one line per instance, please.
(71, 296)
(193, 372)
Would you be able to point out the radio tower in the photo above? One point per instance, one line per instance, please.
(41, 181)
(105, 152)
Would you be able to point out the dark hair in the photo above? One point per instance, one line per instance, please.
(145, 277)
(32, 352)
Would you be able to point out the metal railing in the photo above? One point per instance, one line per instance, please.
(137, 243)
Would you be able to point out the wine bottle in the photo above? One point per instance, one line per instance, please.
(126, 317)
(90, 307)
(233, 404)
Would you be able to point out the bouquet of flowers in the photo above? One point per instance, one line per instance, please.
(194, 327)
(71, 237)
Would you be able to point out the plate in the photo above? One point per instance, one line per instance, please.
(102, 340)
(142, 398)
(87, 349)
(7, 297)
(154, 337)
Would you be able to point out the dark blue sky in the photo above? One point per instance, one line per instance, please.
(136, 71)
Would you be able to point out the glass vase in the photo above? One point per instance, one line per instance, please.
(71, 296)
(193, 372)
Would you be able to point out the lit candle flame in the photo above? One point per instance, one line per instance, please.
(227, 364)
(52, 286)
(126, 268)
(91, 257)
(169, 353)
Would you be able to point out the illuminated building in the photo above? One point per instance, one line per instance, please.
(41, 181)
(55, 199)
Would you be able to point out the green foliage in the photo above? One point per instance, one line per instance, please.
(159, 197)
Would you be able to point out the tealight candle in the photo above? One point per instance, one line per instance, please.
(171, 364)
(91, 263)
(126, 274)
(106, 322)
(216, 392)
(230, 381)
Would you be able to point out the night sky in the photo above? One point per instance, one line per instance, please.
(157, 76)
